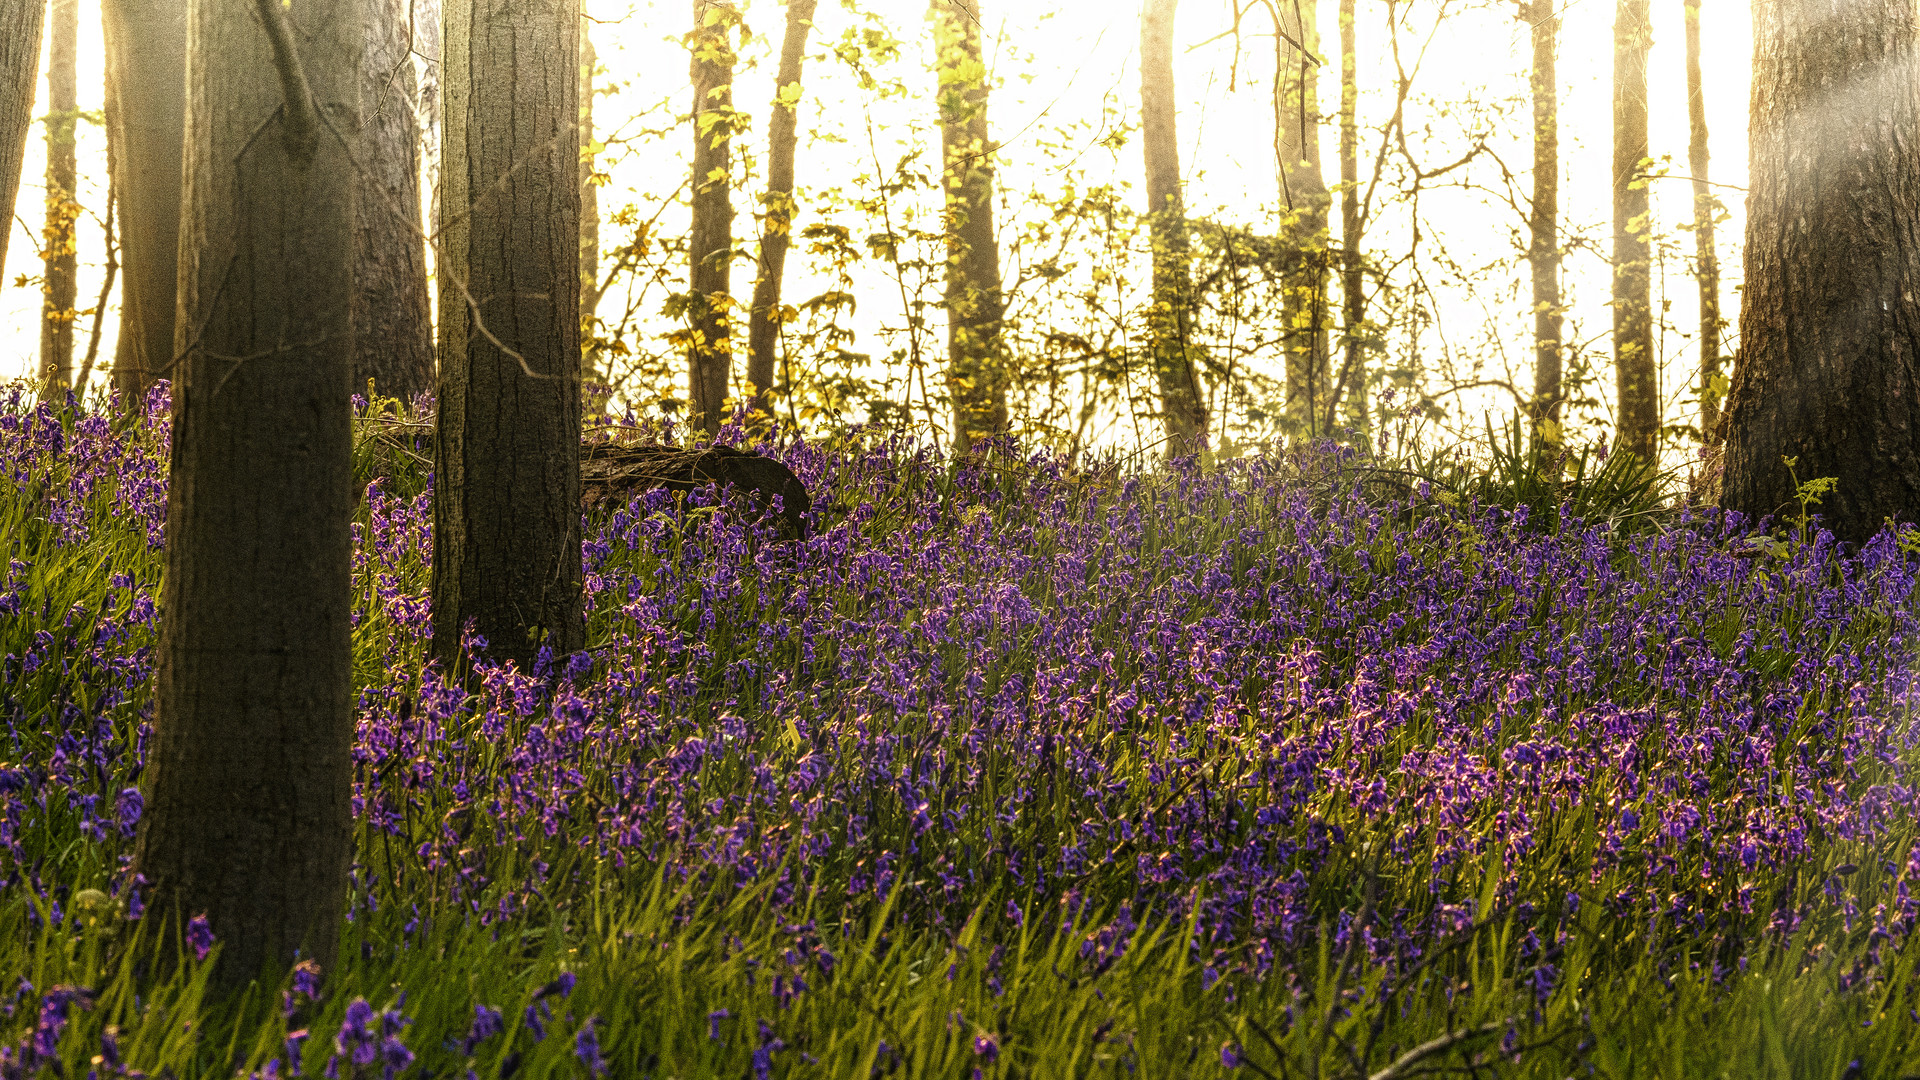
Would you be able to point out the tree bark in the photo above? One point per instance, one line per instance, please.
(1169, 325)
(710, 241)
(393, 326)
(1543, 247)
(977, 373)
(1706, 267)
(1829, 370)
(763, 328)
(1352, 381)
(146, 47)
(507, 456)
(1637, 380)
(1303, 189)
(19, 71)
(57, 238)
(248, 816)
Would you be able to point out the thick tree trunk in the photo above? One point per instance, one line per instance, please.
(1352, 380)
(57, 238)
(977, 373)
(710, 241)
(1543, 247)
(1829, 370)
(1303, 190)
(1706, 267)
(1636, 378)
(248, 817)
(393, 327)
(1169, 323)
(19, 71)
(763, 329)
(146, 46)
(506, 554)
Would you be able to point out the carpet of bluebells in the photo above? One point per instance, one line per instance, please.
(1013, 768)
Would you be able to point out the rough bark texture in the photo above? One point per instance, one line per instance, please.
(146, 46)
(976, 354)
(248, 817)
(57, 238)
(1351, 384)
(763, 329)
(710, 240)
(1637, 382)
(393, 327)
(1303, 190)
(19, 70)
(1182, 404)
(507, 457)
(1706, 266)
(1829, 368)
(1543, 246)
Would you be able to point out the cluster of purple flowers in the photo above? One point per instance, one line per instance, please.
(1219, 697)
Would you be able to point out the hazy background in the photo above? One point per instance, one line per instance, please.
(1066, 75)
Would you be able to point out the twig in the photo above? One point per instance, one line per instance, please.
(1403, 1065)
(100, 305)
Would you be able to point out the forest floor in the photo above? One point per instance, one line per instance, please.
(1015, 769)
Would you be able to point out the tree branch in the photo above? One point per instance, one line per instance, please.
(302, 130)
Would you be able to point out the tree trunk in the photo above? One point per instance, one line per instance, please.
(57, 238)
(146, 47)
(1636, 377)
(710, 241)
(248, 817)
(1543, 247)
(426, 47)
(589, 191)
(1303, 189)
(976, 354)
(19, 70)
(763, 330)
(507, 457)
(1352, 381)
(1169, 324)
(393, 327)
(1829, 370)
(1706, 260)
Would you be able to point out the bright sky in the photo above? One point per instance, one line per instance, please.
(1058, 64)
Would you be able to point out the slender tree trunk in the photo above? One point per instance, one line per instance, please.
(427, 19)
(1829, 369)
(506, 555)
(57, 238)
(1182, 404)
(710, 241)
(1303, 190)
(763, 330)
(146, 47)
(1352, 381)
(393, 327)
(589, 191)
(1706, 260)
(1636, 377)
(1543, 248)
(19, 70)
(976, 354)
(248, 816)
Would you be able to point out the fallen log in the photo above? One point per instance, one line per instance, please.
(612, 473)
